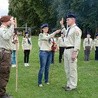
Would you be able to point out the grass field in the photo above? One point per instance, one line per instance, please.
(27, 80)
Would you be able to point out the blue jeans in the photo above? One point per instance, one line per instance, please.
(45, 61)
(13, 58)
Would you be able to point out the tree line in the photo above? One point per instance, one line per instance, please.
(36, 12)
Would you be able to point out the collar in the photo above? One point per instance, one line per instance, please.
(3, 26)
(46, 34)
(72, 25)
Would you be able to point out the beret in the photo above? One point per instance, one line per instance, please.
(97, 34)
(70, 16)
(26, 33)
(5, 18)
(44, 25)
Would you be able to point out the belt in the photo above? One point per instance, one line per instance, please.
(69, 47)
(45, 51)
(5, 50)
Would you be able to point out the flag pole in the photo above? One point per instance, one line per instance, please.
(16, 58)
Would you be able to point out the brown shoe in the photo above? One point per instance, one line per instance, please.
(6, 96)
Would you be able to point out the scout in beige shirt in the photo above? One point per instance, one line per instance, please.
(26, 46)
(45, 54)
(6, 33)
(61, 45)
(72, 42)
(87, 45)
(15, 48)
(96, 47)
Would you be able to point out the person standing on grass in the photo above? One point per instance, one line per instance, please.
(96, 47)
(26, 46)
(6, 34)
(87, 45)
(14, 41)
(72, 42)
(54, 48)
(45, 54)
(61, 45)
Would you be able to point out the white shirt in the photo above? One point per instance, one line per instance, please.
(26, 45)
(14, 44)
(6, 37)
(61, 42)
(44, 41)
(73, 38)
(95, 43)
(87, 42)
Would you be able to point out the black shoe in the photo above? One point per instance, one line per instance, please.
(6, 96)
(69, 89)
(64, 87)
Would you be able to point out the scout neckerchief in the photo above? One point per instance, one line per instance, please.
(69, 30)
(88, 41)
(63, 39)
(28, 41)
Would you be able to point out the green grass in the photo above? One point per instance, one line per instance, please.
(27, 78)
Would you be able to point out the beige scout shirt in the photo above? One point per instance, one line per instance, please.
(61, 42)
(26, 45)
(6, 37)
(87, 42)
(14, 44)
(44, 41)
(95, 43)
(73, 38)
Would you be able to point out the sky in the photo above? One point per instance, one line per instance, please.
(3, 7)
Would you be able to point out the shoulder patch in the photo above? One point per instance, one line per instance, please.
(77, 32)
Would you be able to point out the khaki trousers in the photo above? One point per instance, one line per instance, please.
(70, 69)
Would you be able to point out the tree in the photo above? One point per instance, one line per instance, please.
(36, 12)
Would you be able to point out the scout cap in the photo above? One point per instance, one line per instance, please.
(97, 34)
(26, 33)
(5, 18)
(44, 25)
(70, 16)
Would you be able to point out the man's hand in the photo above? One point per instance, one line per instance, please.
(74, 55)
(12, 21)
(62, 22)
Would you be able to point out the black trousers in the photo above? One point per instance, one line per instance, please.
(61, 52)
(5, 65)
(52, 59)
(26, 56)
(96, 54)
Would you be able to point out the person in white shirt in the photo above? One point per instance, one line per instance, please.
(87, 45)
(45, 53)
(96, 47)
(6, 33)
(61, 45)
(54, 48)
(72, 42)
(15, 47)
(26, 46)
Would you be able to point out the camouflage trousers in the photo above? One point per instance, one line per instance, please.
(5, 65)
